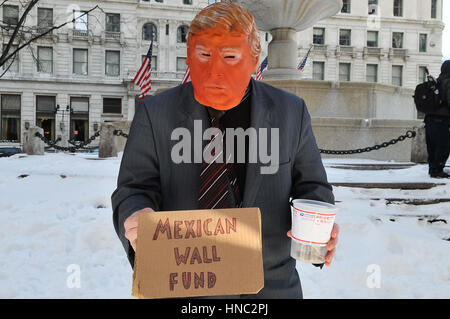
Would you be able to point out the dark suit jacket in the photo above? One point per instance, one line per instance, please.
(149, 178)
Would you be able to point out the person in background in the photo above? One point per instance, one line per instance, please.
(437, 128)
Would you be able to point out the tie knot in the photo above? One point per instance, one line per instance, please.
(215, 122)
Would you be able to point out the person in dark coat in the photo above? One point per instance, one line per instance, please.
(221, 62)
(437, 128)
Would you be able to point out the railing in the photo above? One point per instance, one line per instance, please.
(80, 33)
(400, 53)
(344, 49)
(320, 48)
(112, 35)
(369, 51)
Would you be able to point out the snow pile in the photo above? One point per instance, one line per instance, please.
(56, 218)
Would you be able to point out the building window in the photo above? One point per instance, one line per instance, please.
(397, 40)
(149, 32)
(372, 73)
(112, 105)
(398, 8)
(45, 60)
(182, 33)
(112, 22)
(153, 62)
(81, 20)
(112, 63)
(167, 29)
(181, 64)
(45, 115)
(433, 9)
(160, 1)
(423, 42)
(344, 72)
(346, 6)
(319, 71)
(397, 75)
(345, 37)
(80, 61)
(10, 15)
(12, 64)
(10, 117)
(45, 19)
(187, 1)
(373, 7)
(372, 39)
(79, 118)
(422, 74)
(318, 35)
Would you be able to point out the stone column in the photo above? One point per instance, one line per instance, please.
(108, 141)
(419, 152)
(33, 145)
(131, 107)
(282, 55)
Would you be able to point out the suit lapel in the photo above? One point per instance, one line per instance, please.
(260, 118)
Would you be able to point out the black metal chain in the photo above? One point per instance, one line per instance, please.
(83, 144)
(120, 133)
(409, 134)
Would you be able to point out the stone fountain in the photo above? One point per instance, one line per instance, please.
(283, 19)
(345, 115)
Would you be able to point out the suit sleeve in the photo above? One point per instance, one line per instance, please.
(138, 183)
(446, 91)
(309, 176)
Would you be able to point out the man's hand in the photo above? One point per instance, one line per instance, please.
(331, 245)
(131, 225)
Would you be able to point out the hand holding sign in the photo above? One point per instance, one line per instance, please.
(131, 226)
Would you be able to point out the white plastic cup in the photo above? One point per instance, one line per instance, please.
(312, 222)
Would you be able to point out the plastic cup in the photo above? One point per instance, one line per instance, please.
(312, 222)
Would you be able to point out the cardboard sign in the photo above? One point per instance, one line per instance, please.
(198, 253)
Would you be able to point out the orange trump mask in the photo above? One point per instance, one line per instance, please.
(221, 62)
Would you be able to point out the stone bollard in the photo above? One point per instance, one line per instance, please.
(33, 145)
(419, 152)
(108, 141)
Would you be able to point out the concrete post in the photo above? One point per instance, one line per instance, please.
(33, 145)
(108, 141)
(419, 152)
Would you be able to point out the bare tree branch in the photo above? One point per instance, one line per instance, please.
(3, 59)
(16, 30)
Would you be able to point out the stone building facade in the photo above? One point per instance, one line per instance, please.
(80, 75)
(383, 41)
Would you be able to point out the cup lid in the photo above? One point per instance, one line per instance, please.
(313, 205)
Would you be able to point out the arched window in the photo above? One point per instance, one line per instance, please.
(149, 32)
(182, 33)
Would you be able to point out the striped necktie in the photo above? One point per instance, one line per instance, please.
(218, 182)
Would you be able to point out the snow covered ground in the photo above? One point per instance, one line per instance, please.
(58, 219)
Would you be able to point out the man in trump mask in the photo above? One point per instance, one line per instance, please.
(222, 53)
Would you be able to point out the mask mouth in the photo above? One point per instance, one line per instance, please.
(215, 86)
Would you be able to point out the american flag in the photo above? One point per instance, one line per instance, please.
(142, 78)
(301, 66)
(187, 76)
(261, 68)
